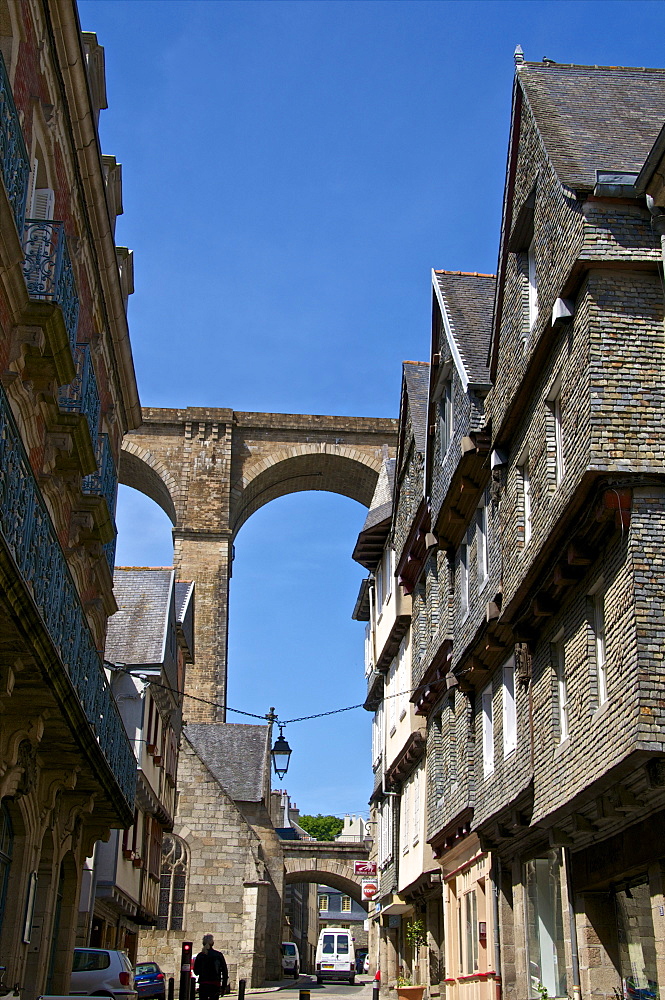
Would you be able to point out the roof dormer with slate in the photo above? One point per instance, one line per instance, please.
(579, 137)
(462, 306)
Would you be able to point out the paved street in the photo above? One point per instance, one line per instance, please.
(361, 990)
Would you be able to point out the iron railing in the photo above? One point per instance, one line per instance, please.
(82, 395)
(28, 532)
(14, 162)
(109, 552)
(48, 272)
(103, 482)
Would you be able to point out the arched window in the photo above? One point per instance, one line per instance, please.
(172, 884)
(6, 850)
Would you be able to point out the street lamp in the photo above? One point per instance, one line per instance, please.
(281, 754)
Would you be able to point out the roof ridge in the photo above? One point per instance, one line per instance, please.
(467, 274)
(632, 69)
(415, 362)
(147, 567)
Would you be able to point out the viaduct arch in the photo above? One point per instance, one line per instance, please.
(326, 862)
(211, 469)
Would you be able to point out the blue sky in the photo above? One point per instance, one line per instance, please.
(292, 172)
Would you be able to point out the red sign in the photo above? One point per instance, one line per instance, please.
(366, 868)
(369, 888)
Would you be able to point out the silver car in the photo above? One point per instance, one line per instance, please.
(102, 972)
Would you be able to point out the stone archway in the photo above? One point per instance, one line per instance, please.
(333, 875)
(211, 469)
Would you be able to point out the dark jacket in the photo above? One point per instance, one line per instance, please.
(210, 967)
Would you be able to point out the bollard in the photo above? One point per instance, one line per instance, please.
(375, 990)
(304, 995)
(171, 988)
(242, 983)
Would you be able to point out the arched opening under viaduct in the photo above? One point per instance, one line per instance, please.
(331, 878)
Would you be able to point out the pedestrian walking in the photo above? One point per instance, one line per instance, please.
(210, 967)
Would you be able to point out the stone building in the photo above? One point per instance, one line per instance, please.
(150, 641)
(222, 866)
(531, 546)
(67, 396)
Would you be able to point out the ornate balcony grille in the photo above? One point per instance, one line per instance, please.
(81, 395)
(103, 482)
(48, 272)
(109, 552)
(29, 534)
(14, 161)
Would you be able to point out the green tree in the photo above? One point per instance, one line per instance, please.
(321, 827)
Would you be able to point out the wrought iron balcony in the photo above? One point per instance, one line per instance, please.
(103, 482)
(48, 272)
(109, 552)
(28, 532)
(14, 161)
(82, 395)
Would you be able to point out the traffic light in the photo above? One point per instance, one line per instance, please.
(185, 970)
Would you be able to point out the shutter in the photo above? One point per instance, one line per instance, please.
(43, 203)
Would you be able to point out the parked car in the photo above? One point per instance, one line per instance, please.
(360, 959)
(102, 972)
(366, 964)
(290, 958)
(149, 980)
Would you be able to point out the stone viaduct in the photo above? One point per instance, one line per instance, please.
(211, 469)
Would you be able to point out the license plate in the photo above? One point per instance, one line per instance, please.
(327, 966)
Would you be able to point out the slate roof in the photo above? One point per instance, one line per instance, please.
(594, 117)
(237, 756)
(469, 304)
(416, 377)
(137, 632)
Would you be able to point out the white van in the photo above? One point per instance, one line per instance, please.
(290, 958)
(335, 955)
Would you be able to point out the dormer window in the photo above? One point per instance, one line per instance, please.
(446, 416)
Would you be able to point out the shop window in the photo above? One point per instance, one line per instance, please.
(172, 884)
(467, 924)
(547, 966)
(6, 851)
(637, 946)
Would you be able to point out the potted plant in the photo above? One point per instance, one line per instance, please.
(407, 991)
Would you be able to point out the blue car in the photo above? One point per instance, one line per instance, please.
(149, 981)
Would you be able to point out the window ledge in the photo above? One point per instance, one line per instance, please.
(403, 713)
(601, 710)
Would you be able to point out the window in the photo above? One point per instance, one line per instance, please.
(533, 283)
(509, 711)
(404, 816)
(446, 417)
(488, 731)
(385, 833)
(404, 679)
(483, 561)
(346, 904)
(464, 578)
(416, 806)
(599, 640)
(172, 884)
(324, 903)
(526, 496)
(377, 736)
(562, 693)
(554, 403)
(547, 962)
(391, 693)
(328, 944)
(384, 578)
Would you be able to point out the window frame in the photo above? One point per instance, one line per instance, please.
(487, 717)
(509, 707)
(482, 545)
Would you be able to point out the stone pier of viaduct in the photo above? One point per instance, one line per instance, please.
(211, 469)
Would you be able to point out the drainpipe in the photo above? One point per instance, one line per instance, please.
(495, 875)
(577, 987)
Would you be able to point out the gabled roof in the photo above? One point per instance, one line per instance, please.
(594, 117)
(184, 612)
(137, 631)
(466, 300)
(416, 381)
(375, 530)
(236, 755)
